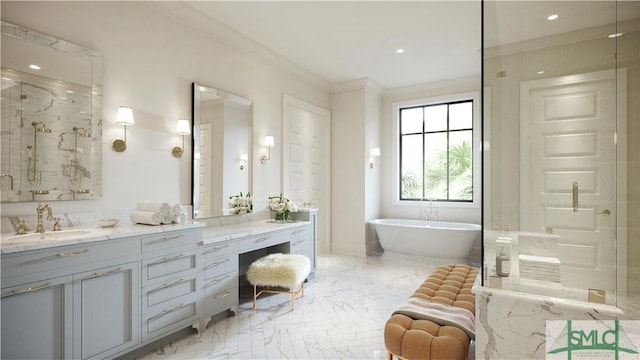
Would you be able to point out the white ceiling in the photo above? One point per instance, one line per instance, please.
(340, 41)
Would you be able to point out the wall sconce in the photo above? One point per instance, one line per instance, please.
(269, 142)
(373, 154)
(124, 118)
(243, 160)
(182, 128)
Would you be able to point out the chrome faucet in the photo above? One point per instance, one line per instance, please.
(39, 210)
(431, 213)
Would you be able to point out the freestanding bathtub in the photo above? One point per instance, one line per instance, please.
(436, 239)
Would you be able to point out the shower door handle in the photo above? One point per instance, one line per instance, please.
(575, 196)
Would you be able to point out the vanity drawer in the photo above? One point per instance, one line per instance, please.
(66, 259)
(221, 301)
(221, 265)
(220, 249)
(172, 316)
(166, 267)
(251, 243)
(216, 284)
(186, 239)
(173, 289)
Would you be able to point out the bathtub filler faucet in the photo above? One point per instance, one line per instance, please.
(431, 214)
(39, 210)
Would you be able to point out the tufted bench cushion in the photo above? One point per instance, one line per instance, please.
(409, 337)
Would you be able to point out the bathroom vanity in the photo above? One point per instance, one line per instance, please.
(100, 293)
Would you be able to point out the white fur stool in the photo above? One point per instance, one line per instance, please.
(281, 271)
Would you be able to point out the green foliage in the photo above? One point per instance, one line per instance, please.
(459, 164)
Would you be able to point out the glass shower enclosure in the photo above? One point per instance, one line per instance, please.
(561, 182)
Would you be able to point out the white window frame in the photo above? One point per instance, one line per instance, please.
(477, 147)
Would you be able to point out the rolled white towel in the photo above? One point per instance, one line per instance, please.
(180, 218)
(167, 219)
(154, 206)
(176, 209)
(146, 217)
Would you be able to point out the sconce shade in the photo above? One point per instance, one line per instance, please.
(124, 116)
(244, 157)
(269, 141)
(183, 127)
(375, 152)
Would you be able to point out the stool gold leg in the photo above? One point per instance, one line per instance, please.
(254, 296)
(293, 298)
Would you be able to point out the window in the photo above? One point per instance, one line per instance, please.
(436, 151)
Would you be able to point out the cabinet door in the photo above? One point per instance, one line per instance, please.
(106, 314)
(36, 320)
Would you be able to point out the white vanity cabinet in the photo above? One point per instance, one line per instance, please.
(171, 280)
(105, 311)
(305, 242)
(37, 320)
(68, 302)
(221, 278)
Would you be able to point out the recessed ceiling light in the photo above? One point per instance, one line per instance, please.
(540, 72)
(552, 17)
(399, 51)
(34, 67)
(613, 36)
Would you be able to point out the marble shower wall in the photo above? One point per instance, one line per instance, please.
(54, 161)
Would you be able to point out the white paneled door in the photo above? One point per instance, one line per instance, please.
(568, 173)
(306, 169)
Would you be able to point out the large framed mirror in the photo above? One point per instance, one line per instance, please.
(51, 118)
(222, 148)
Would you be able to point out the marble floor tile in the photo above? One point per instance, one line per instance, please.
(341, 316)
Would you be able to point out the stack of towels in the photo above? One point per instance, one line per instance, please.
(156, 213)
(538, 257)
(542, 268)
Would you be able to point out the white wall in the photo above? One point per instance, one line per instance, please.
(373, 138)
(150, 60)
(347, 172)
(389, 171)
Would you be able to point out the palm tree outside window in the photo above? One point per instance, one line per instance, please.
(436, 159)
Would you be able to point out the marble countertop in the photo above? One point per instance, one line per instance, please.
(543, 300)
(214, 234)
(11, 243)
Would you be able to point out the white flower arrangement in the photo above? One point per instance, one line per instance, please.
(240, 204)
(282, 207)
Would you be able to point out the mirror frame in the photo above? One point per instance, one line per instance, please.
(195, 142)
(94, 190)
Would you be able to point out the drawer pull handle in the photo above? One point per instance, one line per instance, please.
(164, 286)
(27, 290)
(166, 311)
(223, 295)
(165, 259)
(263, 239)
(215, 264)
(218, 248)
(72, 253)
(298, 231)
(98, 274)
(298, 242)
(167, 238)
(215, 281)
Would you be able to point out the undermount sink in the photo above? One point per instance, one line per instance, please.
(47, 236)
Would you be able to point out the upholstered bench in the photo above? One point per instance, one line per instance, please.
(437, 322)
(279, 271)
